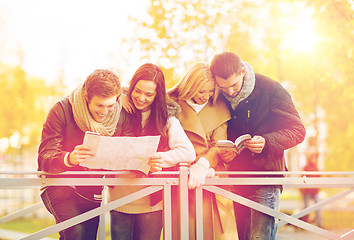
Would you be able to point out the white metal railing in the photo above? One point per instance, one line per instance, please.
(163, 181)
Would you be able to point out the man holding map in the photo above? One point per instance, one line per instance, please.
(261, 107)
(93, 106)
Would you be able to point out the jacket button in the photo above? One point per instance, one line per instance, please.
(234, 117)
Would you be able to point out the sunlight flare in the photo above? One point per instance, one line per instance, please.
(303, 37)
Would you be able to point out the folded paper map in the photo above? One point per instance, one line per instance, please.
(120, 153)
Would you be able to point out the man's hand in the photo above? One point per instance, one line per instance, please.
(256, 144)
(79, 154)
(156, 164)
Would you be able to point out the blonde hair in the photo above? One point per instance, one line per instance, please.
(192, 81)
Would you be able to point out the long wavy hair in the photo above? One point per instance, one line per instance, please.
(192, 81)
(157, 121)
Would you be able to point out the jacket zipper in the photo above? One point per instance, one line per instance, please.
(248, 120)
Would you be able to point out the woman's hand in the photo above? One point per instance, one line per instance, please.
(156, 163)
(126, 104)
(226, 156)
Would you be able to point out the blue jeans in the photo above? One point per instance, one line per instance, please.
(63, 203)
(252, 224)
(125, 226)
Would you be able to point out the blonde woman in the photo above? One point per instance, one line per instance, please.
(204, 119)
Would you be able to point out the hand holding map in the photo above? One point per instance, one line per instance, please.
(120, 153)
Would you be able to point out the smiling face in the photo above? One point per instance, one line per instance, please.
(101, 107)
(143, 95)
(204, 93)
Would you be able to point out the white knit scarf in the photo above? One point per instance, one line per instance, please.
(84, 119)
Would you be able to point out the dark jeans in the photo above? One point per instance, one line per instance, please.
(63, 203)
(252, 224)
(125, 226)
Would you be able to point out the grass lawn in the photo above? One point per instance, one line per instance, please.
(35, 225)
(29, 225)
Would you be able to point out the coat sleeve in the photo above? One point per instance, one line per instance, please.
(181, 148)
(220, 133)
(288, 130)
(50, 153)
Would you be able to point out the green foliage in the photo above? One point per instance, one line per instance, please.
(25, 103)
(181, 32)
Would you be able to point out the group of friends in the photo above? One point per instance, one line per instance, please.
(221, 100)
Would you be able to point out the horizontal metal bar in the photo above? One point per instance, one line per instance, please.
(288, 173)
(110, 172)
(310, 182)
(107, 172)
(30, 182)
(14, 180)
(6, 183)
(271, 212)
(93, 213)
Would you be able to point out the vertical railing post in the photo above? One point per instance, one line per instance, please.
(167, 206)
(184, 209)
(102, 222)
(199, 212)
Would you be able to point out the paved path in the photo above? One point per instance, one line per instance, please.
(285, 233)
(291, 233)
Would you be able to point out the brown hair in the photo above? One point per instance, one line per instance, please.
(103, 83)
(157, 121)
(225, 64)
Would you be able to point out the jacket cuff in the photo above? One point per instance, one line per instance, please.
(66, 160)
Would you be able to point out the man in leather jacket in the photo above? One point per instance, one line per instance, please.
(261, 107)
(94, 106)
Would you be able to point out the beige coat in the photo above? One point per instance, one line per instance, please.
(204, 129)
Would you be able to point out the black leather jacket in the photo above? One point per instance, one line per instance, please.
(60, 135)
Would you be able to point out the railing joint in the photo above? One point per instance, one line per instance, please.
(43, 177)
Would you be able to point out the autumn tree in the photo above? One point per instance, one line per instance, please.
(25, 102)
(262, 32)
(179, 33)
(335, 70)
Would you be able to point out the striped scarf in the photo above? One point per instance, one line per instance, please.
(86, 122)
